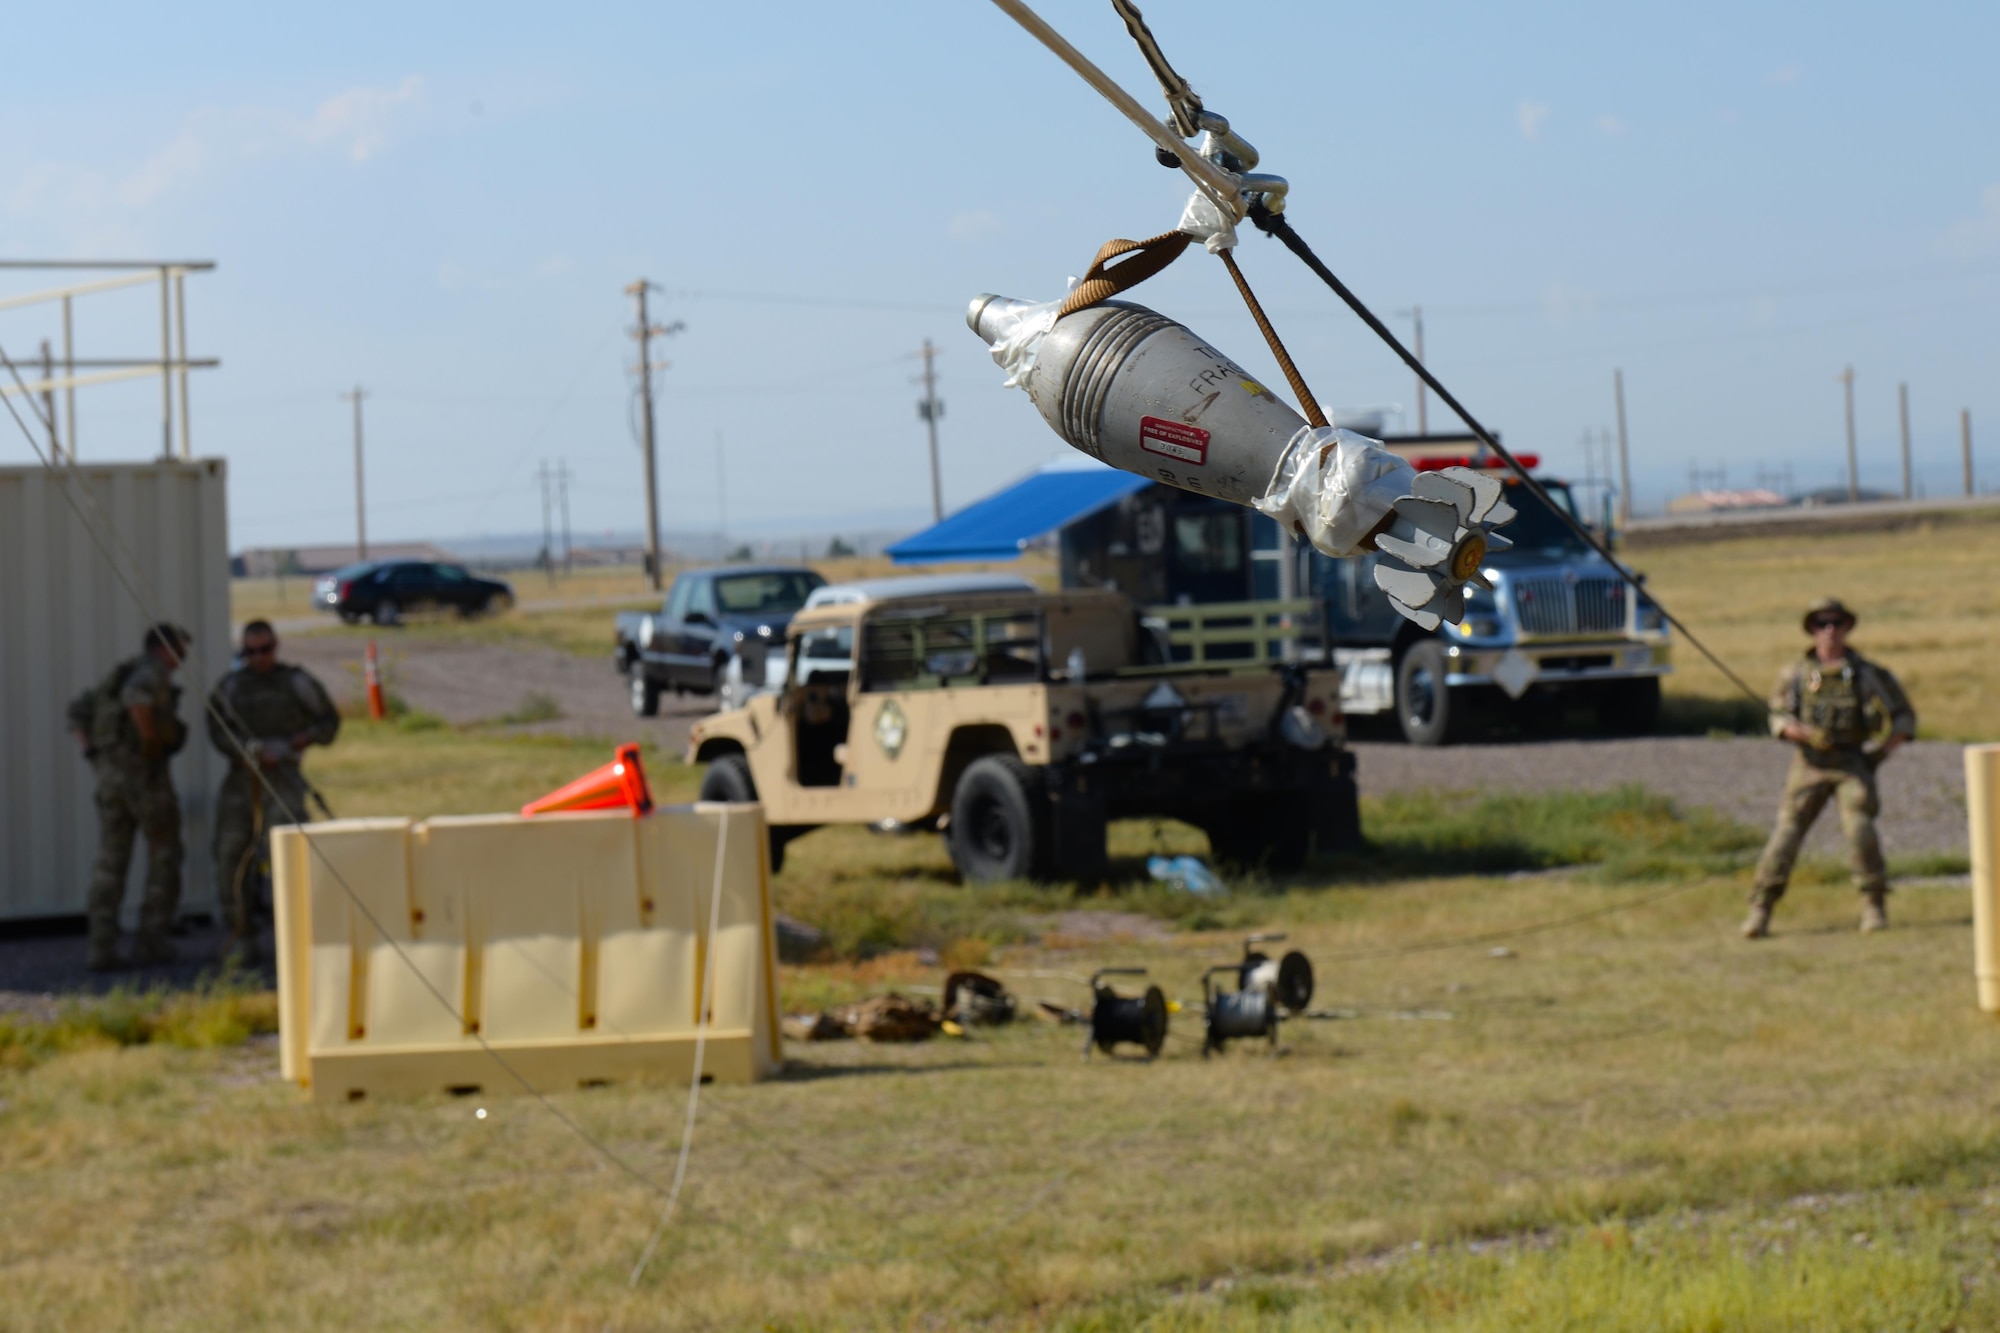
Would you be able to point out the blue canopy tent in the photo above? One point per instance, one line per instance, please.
(1001, 526)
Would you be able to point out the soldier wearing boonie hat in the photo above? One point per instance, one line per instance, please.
(1845, 715)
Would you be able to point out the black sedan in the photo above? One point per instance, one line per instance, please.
(383, 590)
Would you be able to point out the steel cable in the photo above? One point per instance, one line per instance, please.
(1276, 225)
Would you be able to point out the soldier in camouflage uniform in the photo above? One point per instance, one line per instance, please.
(264, 713)
(130, 728)
(1835, 706)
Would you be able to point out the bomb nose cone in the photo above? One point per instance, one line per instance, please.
(992, 316)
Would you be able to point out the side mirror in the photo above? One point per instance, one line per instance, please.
(697, 618)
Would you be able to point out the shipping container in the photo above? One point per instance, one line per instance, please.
(70, 544)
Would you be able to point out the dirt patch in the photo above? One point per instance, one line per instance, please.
(1078, 929)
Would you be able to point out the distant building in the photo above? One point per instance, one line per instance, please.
(264, 562)
(1709, 502)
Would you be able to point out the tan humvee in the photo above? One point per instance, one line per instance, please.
(1020, 721)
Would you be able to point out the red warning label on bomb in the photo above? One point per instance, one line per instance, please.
(1174, 439)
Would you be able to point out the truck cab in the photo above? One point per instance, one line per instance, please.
(1560, 625)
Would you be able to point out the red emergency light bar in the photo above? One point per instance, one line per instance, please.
(1529, 461)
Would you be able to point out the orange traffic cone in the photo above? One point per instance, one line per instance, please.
(622, 782)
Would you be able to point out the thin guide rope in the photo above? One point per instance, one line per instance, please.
(706, 1000)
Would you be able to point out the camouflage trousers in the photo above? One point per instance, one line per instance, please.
(134, 797)
(245, 814)
(1844, 776)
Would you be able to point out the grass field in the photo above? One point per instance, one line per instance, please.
(1745, 598)
(1600, 1110)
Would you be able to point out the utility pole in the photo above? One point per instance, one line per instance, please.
(49, 399)
(1965, 444)
(1624, 459)
(546, 477)
(645, 333)
(1423, 423)
(1903, 417)
(563, 475)
(929, 410)
(360, 491)
(69, 373)
(1853, 465)
(721, 498)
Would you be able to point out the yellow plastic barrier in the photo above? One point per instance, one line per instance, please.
(576, 946)
(1982, 809)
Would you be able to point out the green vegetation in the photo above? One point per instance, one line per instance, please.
(223, 1011)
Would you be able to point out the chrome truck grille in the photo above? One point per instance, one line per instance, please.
(1556, 606)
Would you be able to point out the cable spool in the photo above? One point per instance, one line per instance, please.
(1267, 991)
(1116, 1018)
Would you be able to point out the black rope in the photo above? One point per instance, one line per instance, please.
(1275, 224)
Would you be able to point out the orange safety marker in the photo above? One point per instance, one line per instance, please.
(622, 782)
(373, 678)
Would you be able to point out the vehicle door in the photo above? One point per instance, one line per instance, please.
(656, 631)
(818, 704)
(409, 585)
(451, 586)
(694, 636)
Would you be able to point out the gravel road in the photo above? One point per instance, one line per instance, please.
(469, 682)
(1923, 784)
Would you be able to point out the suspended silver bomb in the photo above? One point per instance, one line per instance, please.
(1136, 390)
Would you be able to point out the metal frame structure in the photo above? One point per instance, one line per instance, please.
(173, 362)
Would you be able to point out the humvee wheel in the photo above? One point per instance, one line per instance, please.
(728, 779)
(998, 827)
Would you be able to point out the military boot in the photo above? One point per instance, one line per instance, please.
(242, 953)
(153, 949)
(1874, 912)
(1757, 925)
(103, 956)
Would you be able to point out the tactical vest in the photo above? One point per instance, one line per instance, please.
(101, 715)
(1831, 702)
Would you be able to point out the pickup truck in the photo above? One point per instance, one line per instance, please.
(1018, 722)
(707, 619)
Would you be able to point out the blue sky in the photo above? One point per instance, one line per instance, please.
(1729, 201)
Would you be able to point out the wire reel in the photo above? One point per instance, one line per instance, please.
(1267, 991)
(1116, 1018)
